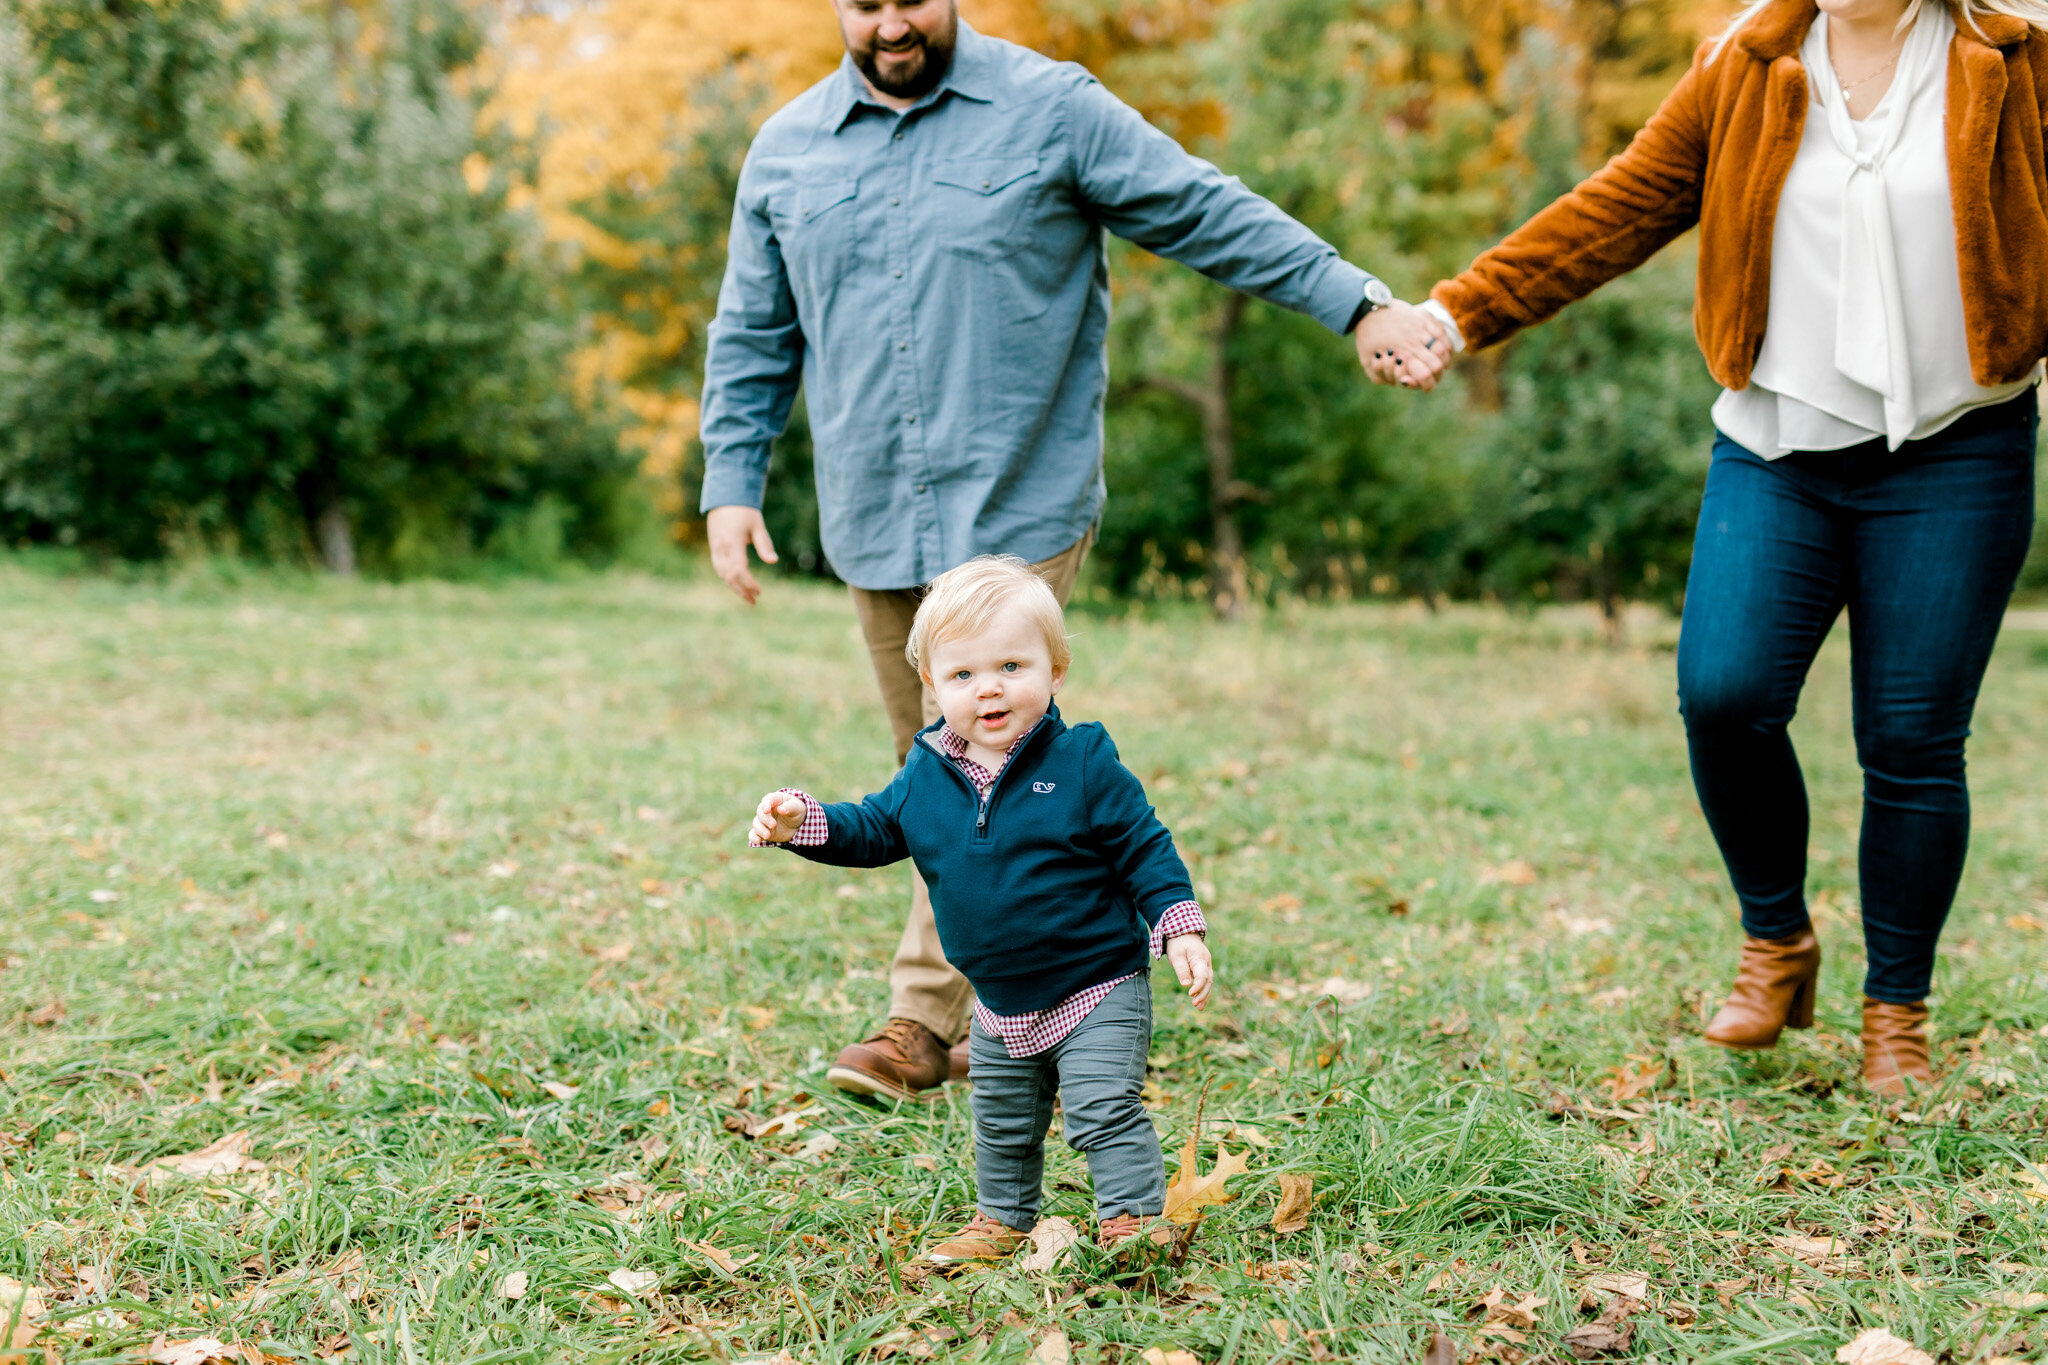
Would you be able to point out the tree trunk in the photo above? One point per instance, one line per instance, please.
(337, 545)
(1228, 588)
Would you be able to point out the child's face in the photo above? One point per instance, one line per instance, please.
(994, 686)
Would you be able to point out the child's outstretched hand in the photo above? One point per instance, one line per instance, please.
(776, 819)
(1190, 958)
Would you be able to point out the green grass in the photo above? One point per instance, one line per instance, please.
(377, 864)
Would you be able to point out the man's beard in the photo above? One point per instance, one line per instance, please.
(920, 80)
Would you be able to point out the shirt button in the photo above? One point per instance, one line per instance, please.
(894, 202)
(911, 419)
(899, 137)
(920, 488)
(899, 274)
(984, 184)
(902, 345)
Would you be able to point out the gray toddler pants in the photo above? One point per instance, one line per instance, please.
(1097, 1071)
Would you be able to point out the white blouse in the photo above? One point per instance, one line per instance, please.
(1866, 335)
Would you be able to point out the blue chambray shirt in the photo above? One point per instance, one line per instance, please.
(938, 283)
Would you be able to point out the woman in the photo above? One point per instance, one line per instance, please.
(1868, 181)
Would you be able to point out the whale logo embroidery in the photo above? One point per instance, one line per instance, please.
(1042, 787)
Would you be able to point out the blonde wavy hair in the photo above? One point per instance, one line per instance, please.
(1966, 12)
(967, 600)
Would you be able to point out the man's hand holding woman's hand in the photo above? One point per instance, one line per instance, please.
(776, 819)
(1401, 344)
(731, 530)
(1190, 958)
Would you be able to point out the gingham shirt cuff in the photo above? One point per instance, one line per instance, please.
(811, 833)
(1184, 917)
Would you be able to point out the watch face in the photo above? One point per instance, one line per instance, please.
(1377, 294)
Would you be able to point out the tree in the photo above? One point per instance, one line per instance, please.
(248, 296)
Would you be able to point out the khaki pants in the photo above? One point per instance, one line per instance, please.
(922, 985)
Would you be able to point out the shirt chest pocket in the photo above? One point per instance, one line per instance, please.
(981, 204)
(819, 229)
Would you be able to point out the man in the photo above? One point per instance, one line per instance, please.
(918, 240)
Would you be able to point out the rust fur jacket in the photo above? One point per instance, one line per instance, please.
(1717, 153)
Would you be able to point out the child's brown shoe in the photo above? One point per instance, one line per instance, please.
(983, 1239)
(1114, 1235)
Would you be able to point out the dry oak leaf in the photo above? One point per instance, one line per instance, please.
(1297, 1195)
(1049, 1241)
(202, 1351)
(1609, 1335)
(1514, 872)
(227, 1155)
(1626, 1083)
(2013, 1298)
(633, 1282)
(561, 1091)
(1052, 1349)
(48, 1015)
(1192, 1192)
(1440, 1351)
(1879, 1347)
(1822, 1253)
(513, 1286)
(723, 1260)
(2033, 1186)
(1155, 1356)
(1613, 1284)
(25, 1302)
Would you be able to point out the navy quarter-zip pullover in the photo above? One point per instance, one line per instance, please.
(1050, 885)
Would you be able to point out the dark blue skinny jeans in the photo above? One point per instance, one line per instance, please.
(1921, 547)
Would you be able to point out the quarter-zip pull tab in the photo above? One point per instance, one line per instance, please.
(981, 819)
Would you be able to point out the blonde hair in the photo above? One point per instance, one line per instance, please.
(967, 600)
(1966, 12)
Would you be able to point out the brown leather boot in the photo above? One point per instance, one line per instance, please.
(1895, 1046)
(902, 1062)
(1773, 991)
(956, 1062)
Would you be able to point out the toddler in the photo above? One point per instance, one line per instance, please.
(1053, 884)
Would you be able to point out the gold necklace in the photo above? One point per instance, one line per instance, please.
(1847, 87)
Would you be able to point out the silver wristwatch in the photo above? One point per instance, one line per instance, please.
(1377, 296)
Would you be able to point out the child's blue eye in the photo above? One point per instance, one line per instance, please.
(1009, 668)
(962, 676)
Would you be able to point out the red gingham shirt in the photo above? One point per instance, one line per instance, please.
(1022, 1035)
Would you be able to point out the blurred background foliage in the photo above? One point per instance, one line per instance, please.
(422, 285)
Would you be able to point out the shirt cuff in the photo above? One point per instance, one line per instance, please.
(1337, 296)
(812, 832)
(733, 478)
(1184, 917)
(1450, 324)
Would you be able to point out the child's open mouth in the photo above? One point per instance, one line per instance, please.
(994, 719)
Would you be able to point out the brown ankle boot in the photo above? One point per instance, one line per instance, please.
(1773, 991)
(905, 1061)
(1895, 1046)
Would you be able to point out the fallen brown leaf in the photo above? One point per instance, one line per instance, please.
(633, 1282)
(1609, 1285)
(2013, 1298)
(561, 1090)
(1155, 1356)
(1514, 872)
(25, 1302)
(1052, 1349)
(1050, 1240)
(227, 1155)
(513, 1286)
(202, 1351)
(1297, 1196)
(1192, 1192)
(48, 1015)
(1879, 1347)
(724, 1260)
(1822, 1253)
(1440, 1351)
(1625, 1083)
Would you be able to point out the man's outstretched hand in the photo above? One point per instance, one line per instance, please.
(731, 530)
(1401, 344)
